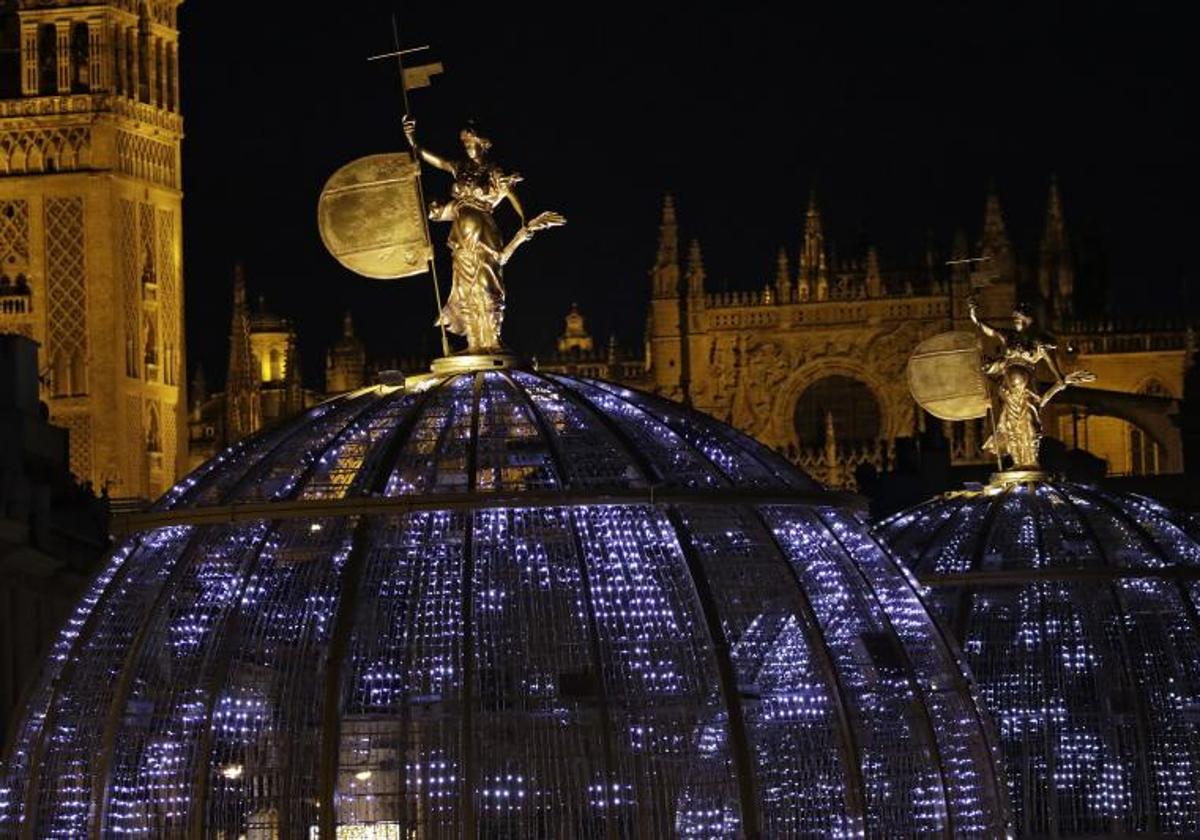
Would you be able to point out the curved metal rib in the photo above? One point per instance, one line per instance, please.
(927, 727)
(739, 741)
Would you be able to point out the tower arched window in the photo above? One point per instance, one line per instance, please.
(47, 53)
(143, 55)
(160, 75)
(81, 64)
(130, 63)
(172, 80)
(78, 375)
(153, 435)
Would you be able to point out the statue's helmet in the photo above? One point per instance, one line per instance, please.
(1023, 312)
(472, 134)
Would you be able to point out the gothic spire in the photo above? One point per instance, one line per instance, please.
(1056, 273)
(960, 272)
(783, 282)
(294, 388)
(695, 271)
(666, 264)
(874, 278)
(994, 243)
(347, 325)
(814, 268)
(242, 411)
(199, 390)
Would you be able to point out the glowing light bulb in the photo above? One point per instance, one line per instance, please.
(232, 772)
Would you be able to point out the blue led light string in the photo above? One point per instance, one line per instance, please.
(206, 475)
(606, 725)
(373, 482)
(218, 674)
(217, 678)
(1153, 546)
(926, 720)
(441, 407)
(731, 696)
(983, 720)
(965, 604)
(1123, 661)
(674, 419)
(102, 775)
(811, 627)
(739, 739)
(467, 800)
(101, 768)
(50, 724)
(69, 658)
(739, 736)
(649, 471)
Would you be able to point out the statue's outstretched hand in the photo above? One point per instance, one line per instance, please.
(545, 220)
(1079, 377)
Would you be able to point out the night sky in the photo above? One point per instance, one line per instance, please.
(897, 115)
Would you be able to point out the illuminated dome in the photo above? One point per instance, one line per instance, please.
(500, 604)
(1077, 610)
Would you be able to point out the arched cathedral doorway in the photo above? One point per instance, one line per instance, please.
(856, 414)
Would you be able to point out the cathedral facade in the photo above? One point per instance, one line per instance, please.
(90, 238)
(813, 364)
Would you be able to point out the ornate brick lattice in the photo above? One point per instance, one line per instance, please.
(168, 297)
(167, 418)
(79, 426)
(148, 256)
(148, 159)
(135, 475)
(66, 296)
(130, 291)
(14, 236)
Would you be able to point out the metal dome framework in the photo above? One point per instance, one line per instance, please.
(500, 604)
(1077, 612)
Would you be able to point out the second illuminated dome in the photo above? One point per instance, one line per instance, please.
(1077, 611)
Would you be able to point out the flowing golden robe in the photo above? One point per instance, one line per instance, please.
(475, 307)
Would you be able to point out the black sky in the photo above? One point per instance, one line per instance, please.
(896, 114)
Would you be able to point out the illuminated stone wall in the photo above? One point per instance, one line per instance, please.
(101, 255)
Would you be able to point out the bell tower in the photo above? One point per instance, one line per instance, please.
(90, 239)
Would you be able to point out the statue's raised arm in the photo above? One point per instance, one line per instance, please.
(984, 327)
(410, 134)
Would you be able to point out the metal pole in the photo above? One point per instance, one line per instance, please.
(437, 291)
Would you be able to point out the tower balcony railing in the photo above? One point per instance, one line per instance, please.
(15, 304)
(85, 103)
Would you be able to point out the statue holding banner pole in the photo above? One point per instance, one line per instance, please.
(475, 306)
(373, 220)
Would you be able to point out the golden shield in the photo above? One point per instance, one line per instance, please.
(371, 219)
(945, 376)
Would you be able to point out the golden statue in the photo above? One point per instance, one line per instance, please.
(475, 307)
(1018, 431)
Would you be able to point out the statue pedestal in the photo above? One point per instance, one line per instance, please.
(1010, 477)
(471, 362)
